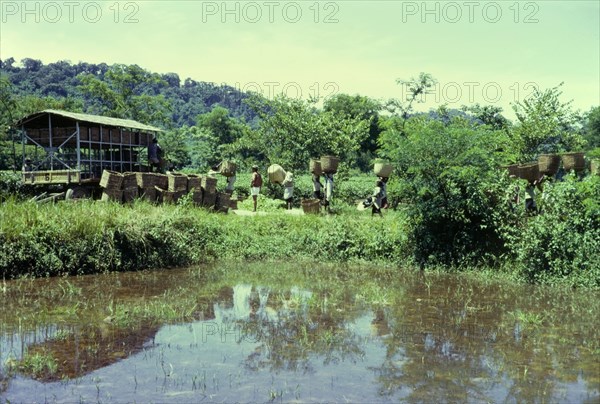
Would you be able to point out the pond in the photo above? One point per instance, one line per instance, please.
(295, 332)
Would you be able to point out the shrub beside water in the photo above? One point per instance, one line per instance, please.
(563, 243)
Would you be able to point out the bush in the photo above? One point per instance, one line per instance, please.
(563, 243)
(459, 201)
(11, 185)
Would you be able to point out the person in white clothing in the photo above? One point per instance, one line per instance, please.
(328, 190)
(288, 190)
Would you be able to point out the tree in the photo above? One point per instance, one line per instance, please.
(416, 89)
(545, 125)
(490, 115)
(219, 122)
(174, 144)
(128, 92)
(364, 109)
(292, 131)
(591, 128)
(458, 202)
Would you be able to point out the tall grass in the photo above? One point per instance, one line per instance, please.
(91, 237)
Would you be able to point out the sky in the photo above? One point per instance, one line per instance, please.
(486, 52)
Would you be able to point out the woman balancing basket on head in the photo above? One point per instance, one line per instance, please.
(329, 165)
(383, 170)
(531, 173)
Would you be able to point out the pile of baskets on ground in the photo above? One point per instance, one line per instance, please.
(164, 188)
(549, 164)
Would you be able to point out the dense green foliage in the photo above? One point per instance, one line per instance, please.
(103, 88)
(563, 243)
(449, 173)
(546, 125)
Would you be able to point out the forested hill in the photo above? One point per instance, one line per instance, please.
(184, 99)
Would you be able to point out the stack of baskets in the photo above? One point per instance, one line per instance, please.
(148, 184)
(177, 182)
(129, 187)
(311, 206)
(111, 181)
(209, 191)
(161, 188)
(223, 202)
(194, 186)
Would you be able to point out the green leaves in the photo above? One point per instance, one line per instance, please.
(130, 92)
(545, 125)
(292, 131)
(454, 188)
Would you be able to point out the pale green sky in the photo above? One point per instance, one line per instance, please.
(487, 52)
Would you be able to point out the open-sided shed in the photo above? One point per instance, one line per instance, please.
(73, 148)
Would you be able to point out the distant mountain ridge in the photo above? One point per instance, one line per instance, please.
(188, 98)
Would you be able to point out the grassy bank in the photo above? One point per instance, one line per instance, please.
(91, 237)
(94, 237)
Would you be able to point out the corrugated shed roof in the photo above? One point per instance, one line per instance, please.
(97, 119)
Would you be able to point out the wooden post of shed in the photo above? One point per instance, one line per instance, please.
(78, 147)
(50, 141)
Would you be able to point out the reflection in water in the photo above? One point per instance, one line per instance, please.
(432, 340)
(241, 306)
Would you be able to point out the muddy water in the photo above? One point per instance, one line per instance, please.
(189, 336)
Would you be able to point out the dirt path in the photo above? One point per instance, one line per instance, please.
(242, 212)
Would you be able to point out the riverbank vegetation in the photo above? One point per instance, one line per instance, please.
(93, 237)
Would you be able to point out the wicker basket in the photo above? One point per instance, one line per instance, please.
(115, 195)
(329, 164)
(130, 194)
(548, 163)
(161, 181)
(529, 172)
(208, 184)
(227, 168)
(197, 196)
(148, 194)
(573, 161)
(383, 169)
(177, 182)
(276, 173)
(315, 167)
(194, 182)
(111, 180)
(209, 199)
(311, 206)
(145, 180)
(129, 180)
(165, 196)
(513, 170)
